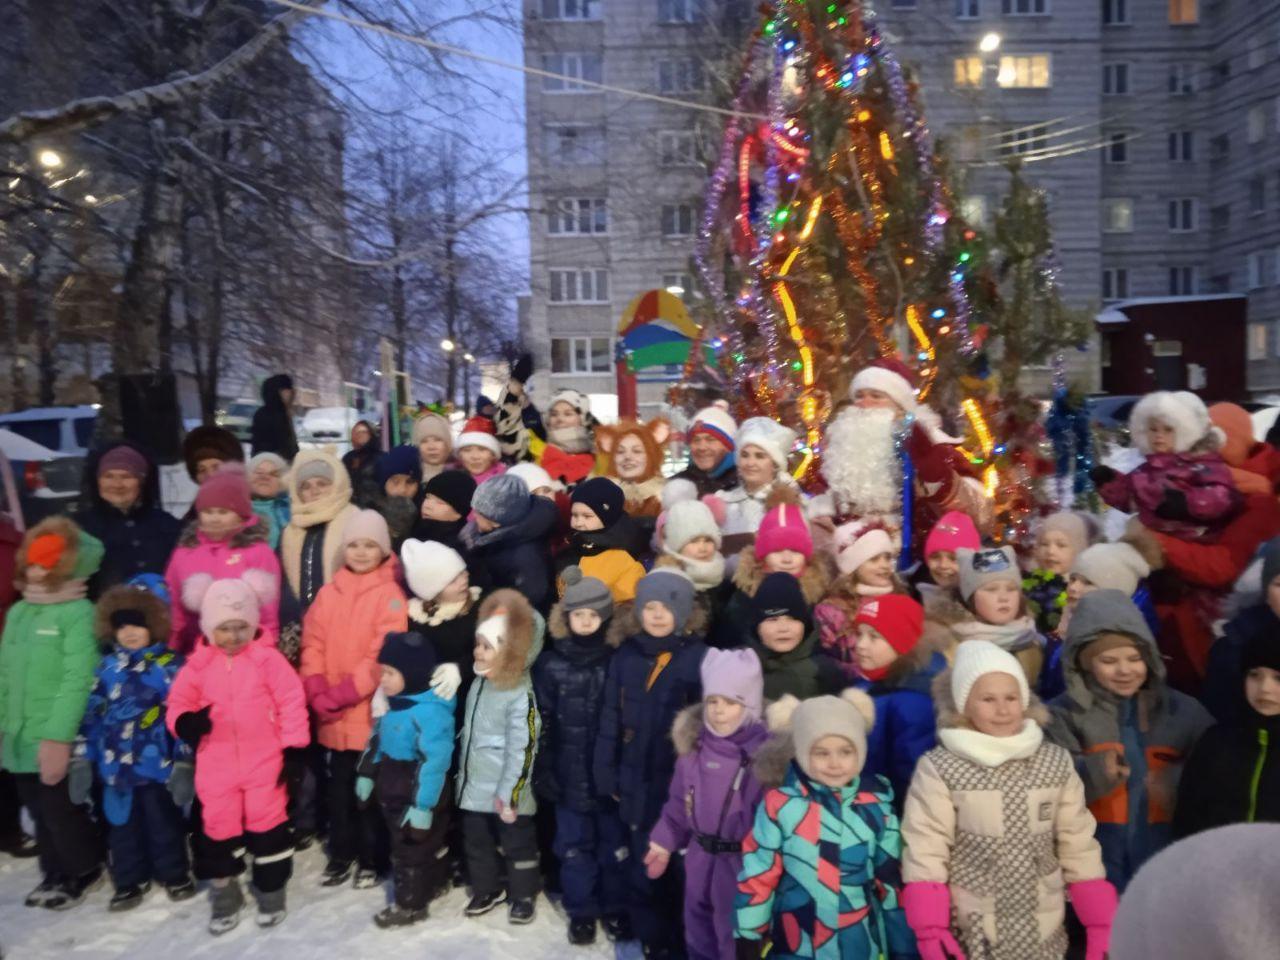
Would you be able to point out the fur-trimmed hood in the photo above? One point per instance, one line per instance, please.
(814, 582)
(626, 618)
(947, 609)
(1193, 431)
(688, 728)
(524, 636)
(911, 670)
(130, 597)
(615, 633)
(79, 561)
(950, 718)
(255, 531)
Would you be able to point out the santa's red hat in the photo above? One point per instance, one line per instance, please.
(479, 432)
(891, 376)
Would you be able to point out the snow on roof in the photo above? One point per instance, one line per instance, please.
(1114, 312)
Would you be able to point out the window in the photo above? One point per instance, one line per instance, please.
(570, 9)
(1257, 195)
(968, 9)
(1257, 341)
(969, 71)
(975, 209)
(571, 66)
(1256, 123)
(572, 216)
(1023, 140)
(1255, 268)
(1219, 73)
(1183, 12)
(579, 286)
(1220, 147)
(581, 354)
(1117, 149)
(1220, 217)
(1115, 78)
(1117, 215)
(677, 219)
(1182, 79)
(1024, 8)
(1115, 283)
(1182, 214)
(1181, 146)
(677, 148)
(1182, 281)
(1219, 283)
(680, 76)
(573, 145)
(681, 11)
(1115, 12)
(1024, 72)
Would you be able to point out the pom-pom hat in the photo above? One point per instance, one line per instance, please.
(479, 432)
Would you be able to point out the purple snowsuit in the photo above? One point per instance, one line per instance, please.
(1202, 479)
(710, 810)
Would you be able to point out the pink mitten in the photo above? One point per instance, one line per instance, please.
(313, 686)
(325, 707)
(1095, 904)
(928, 909)
(344, 693)
(655, 861)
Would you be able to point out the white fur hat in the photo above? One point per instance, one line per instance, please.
(429, 566)
(1182, 410)
(770, 436)
(1115, 566)
(975, 659)
(716, 421)
(534, 477)
(855, 543)
(574, 398)
(685, 521)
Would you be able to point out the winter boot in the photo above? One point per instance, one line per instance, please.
(126, 898)
(520, 911)
(227, 903)
(618, 928)
(271, 910)
(367, 878)
(336, 873)
(180, 890)
(42, 893)
(480, 905)
(582, 932)
(71, 893)
(398, 916)
(20, 845)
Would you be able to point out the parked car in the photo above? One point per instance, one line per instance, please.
(1112, 413)
(65, 430)
(237, 416)
(329, 426)
(47, 481)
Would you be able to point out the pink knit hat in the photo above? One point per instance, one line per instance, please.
(783, 528)
(735, 675)
(367, 525)
(952, 531)
(227, 488)
(238, 598)
(857, 542)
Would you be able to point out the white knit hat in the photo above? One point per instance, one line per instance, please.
(880, 377)
(429, 566)
(534, 477)
(685, 521)
(574, 398)
(1116, 566)
(857, 542)
(1183, 411)
(977, 658)
(716, 421)
(770, 436)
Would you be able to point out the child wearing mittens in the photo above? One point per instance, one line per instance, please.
(992, 607)
(821, 876)
(996, 827)
(407, 765)
(240, 706)
(147, 774)
(713, 798)
(341, 635)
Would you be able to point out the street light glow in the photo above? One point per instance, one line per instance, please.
(447, 345)
(50, 159)
(90, 199)
(469, 358)
(989, 43)
(13, 184)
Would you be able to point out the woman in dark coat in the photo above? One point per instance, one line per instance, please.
(272, 430)
(361, 462)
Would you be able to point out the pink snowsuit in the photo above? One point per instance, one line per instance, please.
(220, 559)
(1204, 479)
(259, 709)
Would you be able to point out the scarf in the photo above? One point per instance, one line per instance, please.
(441, 612)
(1018, 634)
(38, 593)
(866, 590)
(575, 440)
(641, 493)
(988, 751)
(705, 574)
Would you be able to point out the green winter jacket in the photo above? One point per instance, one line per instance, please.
(48, 655)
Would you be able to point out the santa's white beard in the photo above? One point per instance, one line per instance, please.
(860, 462)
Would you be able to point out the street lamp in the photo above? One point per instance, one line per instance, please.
(447, 345)
(469, 358)
(989, 43)
(49, 159)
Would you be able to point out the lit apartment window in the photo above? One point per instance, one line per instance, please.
(570, 9)
(1117, 148)
(1181, 146)
(574, 216)
(1115, 12)
(1117, 215)
(968, 9)
(579, 286)
(680, 76)
(677, 148)
(1115, 78)
(1115, 283)
(573, 145)
(1182, 281)
(1024, 8)
(1256, 123)
(677, 219)
(581, 354)
(1182, 214)
(975, 209)
(1184, 11)
(1257, 195)
(680, 11)
(1023, 140)
(1257, 349)
(571, 67)
(969, 71)
(1029, 71)
(1182, 79)
(1255, 267)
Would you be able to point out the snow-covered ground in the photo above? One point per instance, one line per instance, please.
(332, 923)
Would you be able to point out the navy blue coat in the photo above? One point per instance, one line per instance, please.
(634, 755)
(905, 728)
(135, 542)
(519, 556)
(569, 681)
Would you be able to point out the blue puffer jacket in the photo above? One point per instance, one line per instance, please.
(569, 681)
(417, 729)
(905, 728)
(649, 681)
(123, 732)
(519, 556)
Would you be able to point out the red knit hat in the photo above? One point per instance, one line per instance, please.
(226, 488)
(891, 376)
(479, 432)
(897, 618)
(783, 528)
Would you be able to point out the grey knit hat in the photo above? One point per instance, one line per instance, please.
(989, 565)
(585, 593)
(670, 587)
(314, 468)
(503, 499)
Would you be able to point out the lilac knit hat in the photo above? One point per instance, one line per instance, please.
(734, 675)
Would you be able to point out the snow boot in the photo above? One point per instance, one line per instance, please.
(520, 911)
(367, 878)
(271, 909)
(227, 904)
(42, 893)
(336, 873)
(398, 916)
(180, 890)
(618, 928)
(126, 898)
(480, 905)
(20, 845)
(582, 932)
(71, 893)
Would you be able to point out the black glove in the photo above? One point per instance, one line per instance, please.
(522, 369)
(748, 949)
(1173, 506)
(293, 770)
(193, 725)
(1101, 476)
